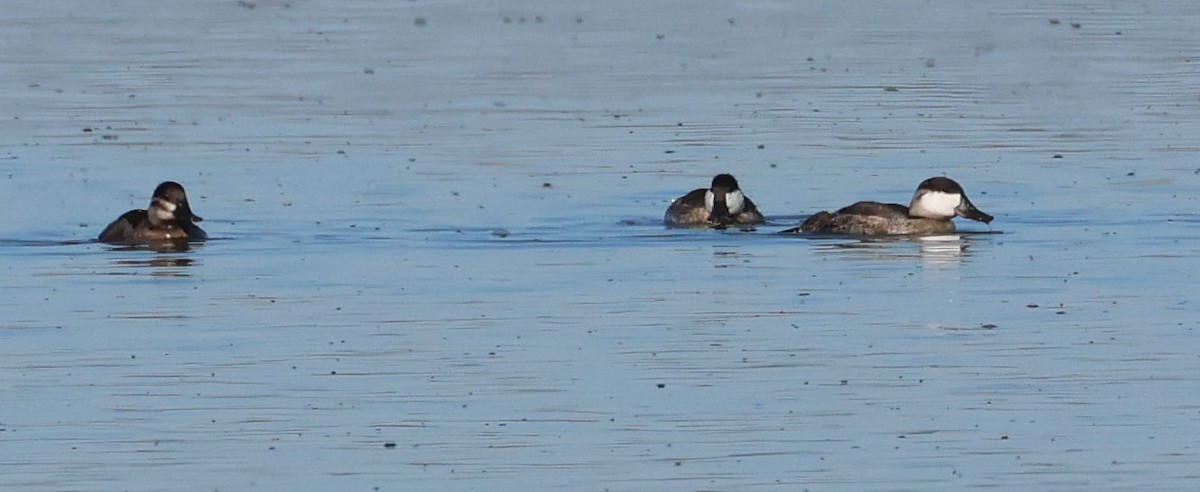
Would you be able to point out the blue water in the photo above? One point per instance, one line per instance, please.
(437, 259)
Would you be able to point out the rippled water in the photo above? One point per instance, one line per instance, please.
(437, 260)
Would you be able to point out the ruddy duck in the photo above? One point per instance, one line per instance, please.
(936, 201)
(721, 205)
(169, 218)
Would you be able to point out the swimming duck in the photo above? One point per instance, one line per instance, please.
(169, 218)
(936, 201)
(721, 205)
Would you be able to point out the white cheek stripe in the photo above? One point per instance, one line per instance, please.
(708, 201)
(168, 206)
(734, 202)
(940, 203)
(163, 215)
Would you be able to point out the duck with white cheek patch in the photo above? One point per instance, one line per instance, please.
(721, 205)
(168, 219)
(936, 201)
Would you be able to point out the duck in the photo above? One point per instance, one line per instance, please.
(723, 204)
(936, 201)
(169, 218)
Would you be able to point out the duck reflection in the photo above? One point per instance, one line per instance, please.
(161, 267)
(172, 259)
(934, 250)
(158, 247)
(943, 250)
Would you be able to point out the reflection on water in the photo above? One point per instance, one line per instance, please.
(163, 266)
(947, 249)
(158, 246)
(169, 258)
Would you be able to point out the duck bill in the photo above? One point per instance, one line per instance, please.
(718, 210)
(184, 213)
(967, 209)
